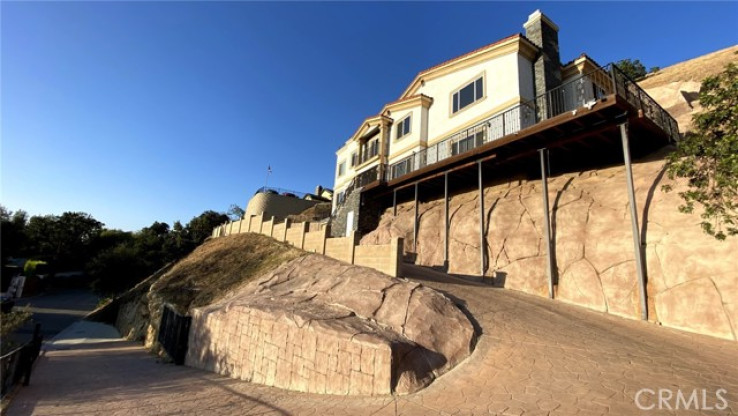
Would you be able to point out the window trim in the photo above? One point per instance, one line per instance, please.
(471, 81)
(405, 120)
(342, 163)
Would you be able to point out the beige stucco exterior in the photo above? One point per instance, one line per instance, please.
(507, 73)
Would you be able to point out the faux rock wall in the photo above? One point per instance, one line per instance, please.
(692, 281)
(322, 326)
(258, 345)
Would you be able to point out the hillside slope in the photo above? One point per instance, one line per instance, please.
(677, 87)
(213, 270)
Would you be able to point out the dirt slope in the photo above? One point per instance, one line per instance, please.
(677, 87)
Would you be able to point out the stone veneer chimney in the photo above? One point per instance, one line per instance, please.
(544, 33)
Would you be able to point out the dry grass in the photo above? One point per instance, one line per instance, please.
(315, 213)
(695, 69)
(220, 265)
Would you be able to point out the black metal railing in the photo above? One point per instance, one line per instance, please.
(281, 191)
(368, 176)
(583, 91)
(494, 128)
(17, 364)
(638, 98)
(174, 330)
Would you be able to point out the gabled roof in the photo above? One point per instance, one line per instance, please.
(526, 46)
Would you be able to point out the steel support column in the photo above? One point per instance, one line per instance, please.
(445, 214)
(394, 203)
(415, 223)
(546, 219)
(481, 221)
(634, 222)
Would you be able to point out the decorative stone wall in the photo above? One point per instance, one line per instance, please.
(262, 347)
(351, 204)
(322, 326)
(692, 282)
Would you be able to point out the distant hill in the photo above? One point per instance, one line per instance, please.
(677, 87)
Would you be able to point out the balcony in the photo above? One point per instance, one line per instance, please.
(583, 92)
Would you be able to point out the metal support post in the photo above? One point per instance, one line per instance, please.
(445, 213)
(481, 221)
(415, 223)
(546, 219)
(634, 222)
(394, 203)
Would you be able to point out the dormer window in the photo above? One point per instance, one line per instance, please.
(468, 95)
(403, 128)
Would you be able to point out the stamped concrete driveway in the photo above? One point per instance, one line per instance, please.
(534, 357)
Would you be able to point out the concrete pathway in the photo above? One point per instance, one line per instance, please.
(534, 357)
(55, 311)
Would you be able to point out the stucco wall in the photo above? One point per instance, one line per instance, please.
(278, 206)
(315, 241)
(385, 258)
(341, 248)
(501, 86)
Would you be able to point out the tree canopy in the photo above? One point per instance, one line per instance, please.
(708, 156)
(114, 259)
(633, 68)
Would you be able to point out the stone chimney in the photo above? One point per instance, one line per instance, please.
(544, 33)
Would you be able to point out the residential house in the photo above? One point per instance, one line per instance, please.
(480, 99)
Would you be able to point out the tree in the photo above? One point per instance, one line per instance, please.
(708, 157)
(200, 227)
(235, 212)
(65, 239)
(634, 69)
(12, 232)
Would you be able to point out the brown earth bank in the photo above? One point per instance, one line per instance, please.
(677, 87)
(692, 283)
(266, 312)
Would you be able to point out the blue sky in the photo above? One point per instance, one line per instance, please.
(138, 112)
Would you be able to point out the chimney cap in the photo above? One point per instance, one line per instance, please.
(538, 15)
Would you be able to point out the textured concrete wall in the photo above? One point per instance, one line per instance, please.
(341, 248)
(691, 283)
(255, 222)
(315, 241)
(295, 234)
(253, 345)
(384, 258)
(267, 227)
(279, 230)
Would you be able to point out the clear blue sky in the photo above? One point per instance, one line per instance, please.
(142, 111)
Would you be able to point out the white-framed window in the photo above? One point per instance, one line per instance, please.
(467, 95)
(403, 127)
(341, 197)
(369, 150)
(342, 168)
(354, 159)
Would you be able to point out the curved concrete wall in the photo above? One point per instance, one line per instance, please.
(277, 206)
